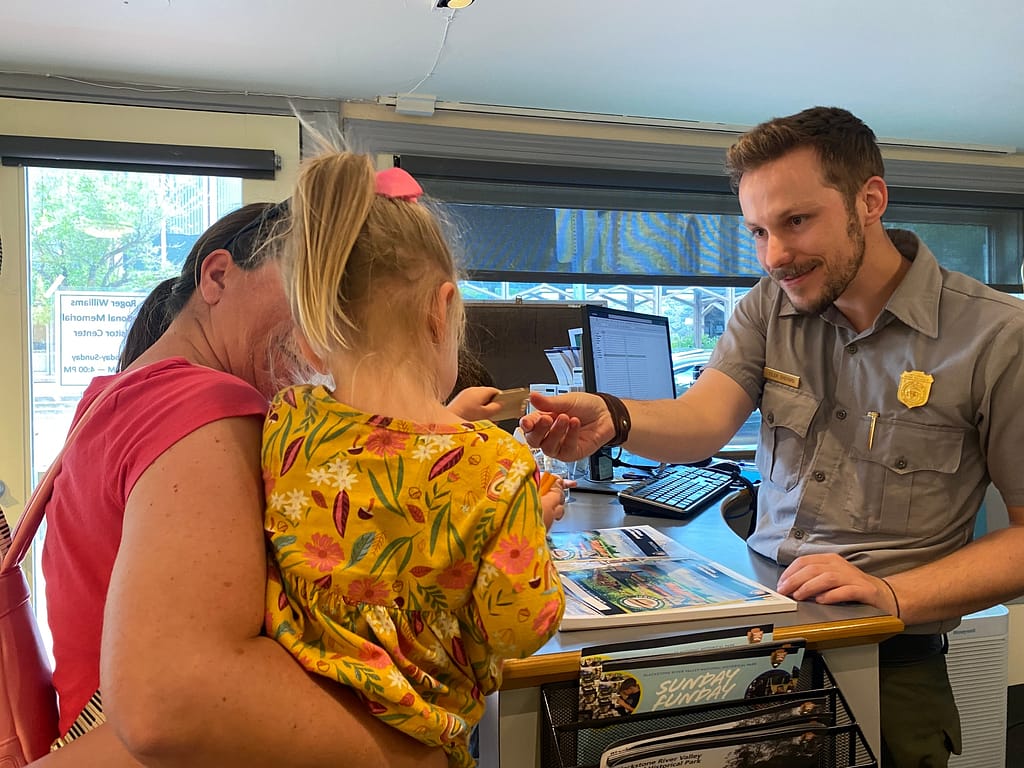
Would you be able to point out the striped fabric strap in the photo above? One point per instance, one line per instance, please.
(90, 717)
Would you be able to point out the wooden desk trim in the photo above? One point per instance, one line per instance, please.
(554, 667)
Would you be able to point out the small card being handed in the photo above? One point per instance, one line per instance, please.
(513, 403)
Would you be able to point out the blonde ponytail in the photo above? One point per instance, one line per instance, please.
(333, 197)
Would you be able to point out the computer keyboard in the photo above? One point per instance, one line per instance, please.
(677, 492)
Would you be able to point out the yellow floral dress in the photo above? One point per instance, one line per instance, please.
(408, 560)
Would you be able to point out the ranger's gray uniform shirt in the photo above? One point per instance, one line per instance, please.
(907, 492)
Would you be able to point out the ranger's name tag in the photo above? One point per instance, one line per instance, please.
(779, 377)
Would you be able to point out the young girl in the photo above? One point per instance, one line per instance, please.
(409, 544)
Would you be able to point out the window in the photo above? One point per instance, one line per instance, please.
(667, 244)
(984, 243)
(98, 243)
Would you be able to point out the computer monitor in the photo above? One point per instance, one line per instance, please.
(627, 354)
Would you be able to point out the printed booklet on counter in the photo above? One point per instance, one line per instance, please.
(638, 575)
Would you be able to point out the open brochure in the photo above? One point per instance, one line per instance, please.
(638, 575)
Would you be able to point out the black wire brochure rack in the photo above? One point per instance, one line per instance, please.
(835, 741)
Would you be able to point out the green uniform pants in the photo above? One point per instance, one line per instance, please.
(920, 722)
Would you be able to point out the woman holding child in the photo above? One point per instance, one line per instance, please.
(155, 557)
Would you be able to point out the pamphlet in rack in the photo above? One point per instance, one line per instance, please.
(638, 575)
(799, 723)
(793, 743)
(629, 682)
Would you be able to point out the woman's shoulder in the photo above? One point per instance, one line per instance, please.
(140, 413)
(177, 380)
(171, 394)
(178, 368)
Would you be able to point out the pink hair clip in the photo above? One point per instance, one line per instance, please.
(398, 184)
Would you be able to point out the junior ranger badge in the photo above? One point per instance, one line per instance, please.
(915, 386)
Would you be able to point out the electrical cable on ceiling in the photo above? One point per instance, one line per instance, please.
(440, 50)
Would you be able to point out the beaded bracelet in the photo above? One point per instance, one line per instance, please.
(620, 419)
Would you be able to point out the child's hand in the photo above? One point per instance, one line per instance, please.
(552, 497)
(476, 403)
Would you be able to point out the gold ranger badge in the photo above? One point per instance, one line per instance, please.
(915, 386)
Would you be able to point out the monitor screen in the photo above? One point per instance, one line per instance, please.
(627, 354)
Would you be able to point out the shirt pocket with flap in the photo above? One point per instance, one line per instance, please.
(786, 416)
(902, 476)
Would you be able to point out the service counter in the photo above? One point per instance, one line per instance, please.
(847, 635)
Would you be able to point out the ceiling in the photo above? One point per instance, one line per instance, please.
(919, 70)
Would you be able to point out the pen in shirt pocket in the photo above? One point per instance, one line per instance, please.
(873, 415)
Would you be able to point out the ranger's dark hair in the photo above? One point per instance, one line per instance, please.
(846, 147)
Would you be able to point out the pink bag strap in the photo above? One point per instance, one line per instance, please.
(30, 519)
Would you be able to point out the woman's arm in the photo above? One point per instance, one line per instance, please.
(98, 747)
(186, 677)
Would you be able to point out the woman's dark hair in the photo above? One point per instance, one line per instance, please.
(242, 233)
